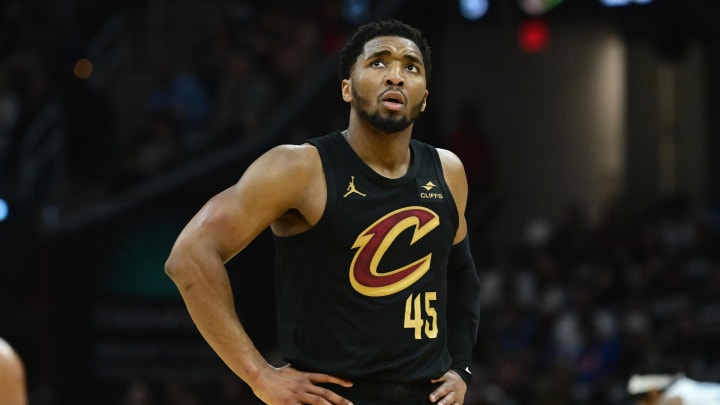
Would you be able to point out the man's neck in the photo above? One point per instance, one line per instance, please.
(387, 154)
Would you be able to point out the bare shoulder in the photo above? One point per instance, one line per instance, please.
(296, 159)
(448, 157)
(451, 163)
(281, 175)
(298, 187)
(277, 182)
(454, 172)
(299, 152)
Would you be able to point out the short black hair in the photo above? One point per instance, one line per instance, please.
(392, 27)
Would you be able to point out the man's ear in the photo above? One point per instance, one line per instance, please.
(346, 88)
(424, 103)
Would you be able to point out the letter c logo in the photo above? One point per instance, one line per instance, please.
(375, 240)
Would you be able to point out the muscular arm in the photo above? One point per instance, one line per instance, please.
(463, 287)
(457, 181)
(275, 183)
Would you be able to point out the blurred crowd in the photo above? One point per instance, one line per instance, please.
(237, 77)
(221, 88)
(579, 305)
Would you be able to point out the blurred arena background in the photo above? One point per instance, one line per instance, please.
(590, 130)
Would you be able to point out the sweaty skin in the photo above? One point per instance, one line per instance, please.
(285, 189)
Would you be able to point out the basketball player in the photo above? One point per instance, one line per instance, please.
(12, 376)
(669, 389)
(377, 290)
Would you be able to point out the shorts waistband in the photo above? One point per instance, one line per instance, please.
(386, 391)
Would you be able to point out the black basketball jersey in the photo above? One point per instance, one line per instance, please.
(363, 293)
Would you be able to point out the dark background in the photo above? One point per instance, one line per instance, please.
(579, 291)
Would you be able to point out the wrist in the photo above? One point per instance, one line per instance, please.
(253, 369)
(464, 373)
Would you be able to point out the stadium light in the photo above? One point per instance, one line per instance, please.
(356, 11)
(620, 3)
(533, 36)
(473, 9)
(4, 210)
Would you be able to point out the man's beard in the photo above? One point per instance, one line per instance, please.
(386, 124)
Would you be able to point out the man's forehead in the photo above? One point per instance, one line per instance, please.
(393, 44)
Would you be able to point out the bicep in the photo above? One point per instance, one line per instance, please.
(230, 220)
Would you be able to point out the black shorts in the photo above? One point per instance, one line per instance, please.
(382, 393)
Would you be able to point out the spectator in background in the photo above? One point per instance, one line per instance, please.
(13, 387)
(244, 97)
(672, 389)
(181, 95)
(157, 148)
(291, 43)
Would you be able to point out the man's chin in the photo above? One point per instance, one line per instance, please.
(391, 126)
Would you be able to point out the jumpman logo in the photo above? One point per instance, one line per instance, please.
(351, 188)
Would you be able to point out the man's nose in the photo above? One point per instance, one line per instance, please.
(395, 78)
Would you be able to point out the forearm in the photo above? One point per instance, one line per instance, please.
(463, 307)
(205, 288)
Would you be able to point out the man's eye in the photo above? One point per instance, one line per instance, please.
(412, 68)
(378, 63)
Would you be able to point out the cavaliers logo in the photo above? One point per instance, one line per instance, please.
(374, 241)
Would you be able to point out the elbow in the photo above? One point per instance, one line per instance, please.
(186, 267)
(173, 268)
(180, 273)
